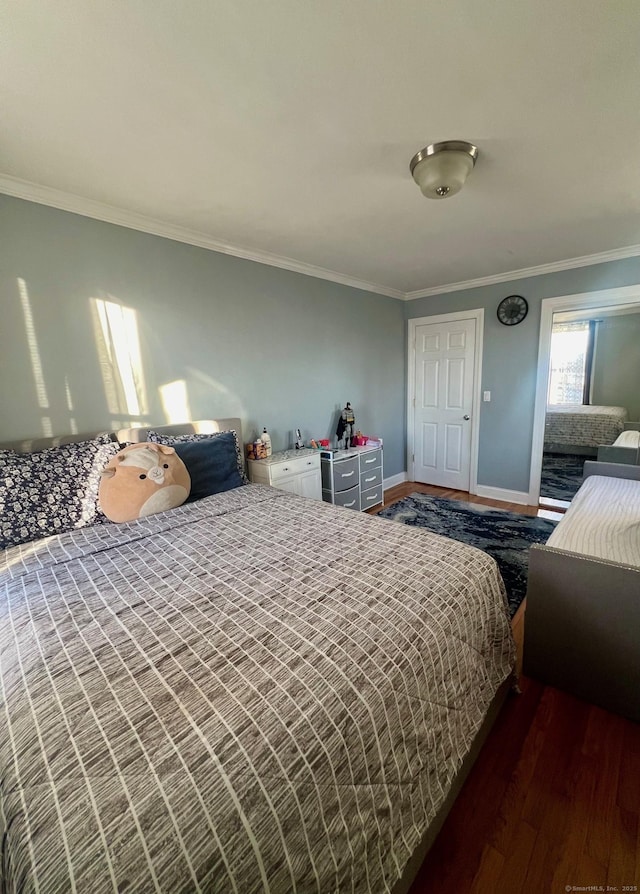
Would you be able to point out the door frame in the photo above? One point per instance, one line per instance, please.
(580, 301)
(478, 315)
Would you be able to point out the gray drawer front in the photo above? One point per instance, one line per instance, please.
(370, 478)
(371, 497)
(345, 474)
(371, 460)
(350, 499)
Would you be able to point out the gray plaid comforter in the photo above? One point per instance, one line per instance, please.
(588, 426)
(252, 693)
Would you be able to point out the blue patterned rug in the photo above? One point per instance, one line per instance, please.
(561, 475)
(503, 535)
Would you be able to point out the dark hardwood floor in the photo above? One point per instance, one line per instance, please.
(411, 487)
(553, 802)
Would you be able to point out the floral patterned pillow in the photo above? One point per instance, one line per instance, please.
(51, 491)
(171, 440)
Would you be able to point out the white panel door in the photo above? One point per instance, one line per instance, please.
(444, 370)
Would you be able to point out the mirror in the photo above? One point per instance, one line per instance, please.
(593, 395)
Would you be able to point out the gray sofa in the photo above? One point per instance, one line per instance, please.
(582, 622)
(625, 448)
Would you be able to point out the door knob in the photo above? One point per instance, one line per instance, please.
(466, 416)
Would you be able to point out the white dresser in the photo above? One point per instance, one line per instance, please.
(353, 478)
(297, 471)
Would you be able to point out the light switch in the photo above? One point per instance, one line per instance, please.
(487, 396)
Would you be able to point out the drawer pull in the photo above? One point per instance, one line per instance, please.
(349, 505)
(373, 478)
(347, 474)
(285, 468)
(309, 462)
(374, 497)
(367, 461)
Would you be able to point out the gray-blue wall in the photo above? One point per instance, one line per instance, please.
(616, 364)
(510, 357)
(274, 347)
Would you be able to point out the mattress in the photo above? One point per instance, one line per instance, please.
(250, 693)
(602, 521)
(587, 426)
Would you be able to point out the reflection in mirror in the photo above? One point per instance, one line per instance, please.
(593, 399)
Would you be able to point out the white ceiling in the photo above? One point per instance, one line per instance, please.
(287, 126)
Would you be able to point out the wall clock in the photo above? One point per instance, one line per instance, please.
(512, 310)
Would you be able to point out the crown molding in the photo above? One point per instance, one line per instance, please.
(601, 257)
(65, 201)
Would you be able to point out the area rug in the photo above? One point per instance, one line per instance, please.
(505, 536)
(561, 475)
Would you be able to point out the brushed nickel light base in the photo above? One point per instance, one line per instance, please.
(441, 169)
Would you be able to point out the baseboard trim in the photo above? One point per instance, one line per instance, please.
(506, 496)
(394, 480)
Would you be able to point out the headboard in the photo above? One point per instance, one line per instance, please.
(32, 445)
(134, 435)
(201, 427)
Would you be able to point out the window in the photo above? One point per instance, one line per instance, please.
(571, 347)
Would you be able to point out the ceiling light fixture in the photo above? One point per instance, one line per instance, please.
(441, 169)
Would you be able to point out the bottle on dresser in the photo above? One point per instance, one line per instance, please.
(266, 440)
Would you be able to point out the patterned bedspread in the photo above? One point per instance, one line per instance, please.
(587, 426)
(251, 693)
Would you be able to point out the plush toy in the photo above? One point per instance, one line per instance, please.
(143, 479)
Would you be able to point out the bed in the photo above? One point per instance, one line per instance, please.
(573, 428)
(251, 692)
(583, 596)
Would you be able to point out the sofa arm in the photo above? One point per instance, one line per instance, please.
(613, 454)
(612, 470)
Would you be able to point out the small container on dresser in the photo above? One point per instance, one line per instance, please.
(353, 477)
(296, 471)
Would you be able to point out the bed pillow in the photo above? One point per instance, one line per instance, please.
(173, 440)
(211, 460)
(51, 491)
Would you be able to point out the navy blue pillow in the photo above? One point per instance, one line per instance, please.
(212, 464)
